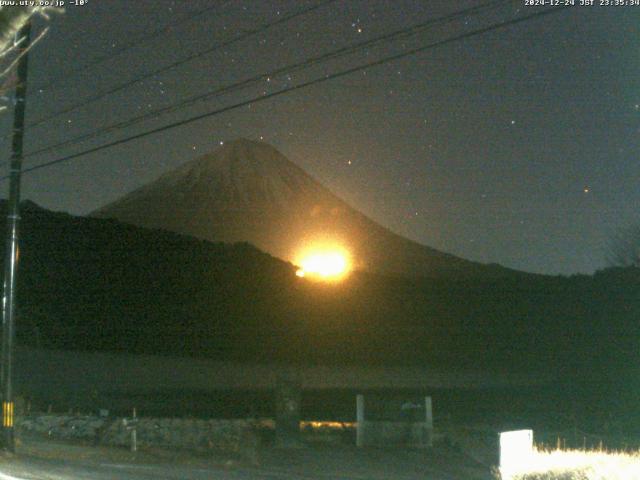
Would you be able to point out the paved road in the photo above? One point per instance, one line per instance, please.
(50, 471)
(303, 464)
(39, 469)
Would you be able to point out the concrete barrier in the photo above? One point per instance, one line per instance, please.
(228, 435)
(387, 433)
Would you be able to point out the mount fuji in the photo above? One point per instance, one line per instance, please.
(247, 191)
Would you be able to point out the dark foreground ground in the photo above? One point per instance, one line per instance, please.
(39, 459)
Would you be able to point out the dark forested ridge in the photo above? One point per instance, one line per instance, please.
(94, 284)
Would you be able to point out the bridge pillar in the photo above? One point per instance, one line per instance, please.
(288, 396)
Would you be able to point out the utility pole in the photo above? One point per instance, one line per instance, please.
(7, 440)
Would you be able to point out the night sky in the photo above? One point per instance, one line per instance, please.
(518, 146)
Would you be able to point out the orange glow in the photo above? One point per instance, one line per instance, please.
(324, 262)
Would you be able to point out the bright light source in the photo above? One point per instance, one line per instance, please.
(325, 263)
(330, 264)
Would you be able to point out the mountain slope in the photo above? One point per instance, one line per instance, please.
(94, 284)
(248, 191)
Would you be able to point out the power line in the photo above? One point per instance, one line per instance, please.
(286, 69)
(178, 63)
(128, 46)
(303, 85)
(309, 83)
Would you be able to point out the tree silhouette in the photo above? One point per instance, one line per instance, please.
(624, 248)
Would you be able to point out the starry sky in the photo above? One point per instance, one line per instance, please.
(517, 146)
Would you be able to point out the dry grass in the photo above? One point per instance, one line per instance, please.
(577, 465)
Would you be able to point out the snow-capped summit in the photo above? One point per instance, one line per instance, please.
(242, 174)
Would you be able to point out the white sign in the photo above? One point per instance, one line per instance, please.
(516, 450)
